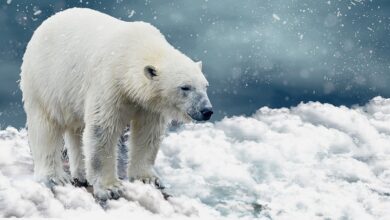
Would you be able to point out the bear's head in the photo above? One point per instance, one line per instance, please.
(180, 88)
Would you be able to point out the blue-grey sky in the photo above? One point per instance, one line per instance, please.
(254, 52)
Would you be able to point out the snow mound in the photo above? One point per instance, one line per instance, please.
(312, 161)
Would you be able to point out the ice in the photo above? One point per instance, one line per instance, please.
(311, 161)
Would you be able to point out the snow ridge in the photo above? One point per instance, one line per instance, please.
(312, 161)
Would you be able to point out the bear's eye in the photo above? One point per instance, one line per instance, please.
(185, 88)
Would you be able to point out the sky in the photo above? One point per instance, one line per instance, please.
(274, 53)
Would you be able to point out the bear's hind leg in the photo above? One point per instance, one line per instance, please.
(46, 144)
(76, 157)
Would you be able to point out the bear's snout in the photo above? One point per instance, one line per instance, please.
(206, 113)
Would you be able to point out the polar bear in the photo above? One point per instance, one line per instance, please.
(85, 76)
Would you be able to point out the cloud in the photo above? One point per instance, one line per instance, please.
(309, 161)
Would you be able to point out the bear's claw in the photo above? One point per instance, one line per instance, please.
(79, 183)
(112, 192)
(154, 181)
(60, 180)
(158, 184)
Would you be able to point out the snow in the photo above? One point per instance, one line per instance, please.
(37, 12)
(131, 14)
(311, 161)
(276, 17)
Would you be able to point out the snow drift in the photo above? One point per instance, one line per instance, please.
(312, 161)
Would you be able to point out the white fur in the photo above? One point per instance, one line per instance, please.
(83, 79)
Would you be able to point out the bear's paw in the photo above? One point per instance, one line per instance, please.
(112, 191)
(56, 180)
(152, 180)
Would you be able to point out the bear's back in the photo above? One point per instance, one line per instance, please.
(77, 48)
(80, 38)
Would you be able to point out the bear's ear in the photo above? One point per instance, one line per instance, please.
(150, 72)
(199, 64)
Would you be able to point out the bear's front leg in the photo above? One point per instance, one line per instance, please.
(146, 133)
(100, 160)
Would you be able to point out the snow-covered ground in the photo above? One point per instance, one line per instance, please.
(312, 161)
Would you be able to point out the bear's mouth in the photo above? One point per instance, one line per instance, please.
(195, 116)
(187, 117)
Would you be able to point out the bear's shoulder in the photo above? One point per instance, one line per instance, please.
(145, 27)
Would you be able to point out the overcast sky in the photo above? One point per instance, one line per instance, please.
(255, 53)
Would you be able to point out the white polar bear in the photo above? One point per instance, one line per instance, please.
(85, 76)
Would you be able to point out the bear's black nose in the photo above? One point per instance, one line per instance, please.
(206, 113)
